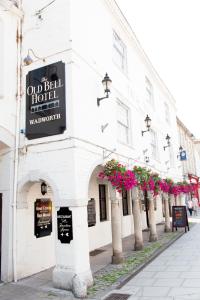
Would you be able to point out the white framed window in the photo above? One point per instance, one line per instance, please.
(153, 144)
(167, 113)
(119, 52)
(171, 156)
(123, 123)
(149, 91)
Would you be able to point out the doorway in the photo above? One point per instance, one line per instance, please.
(146, 207)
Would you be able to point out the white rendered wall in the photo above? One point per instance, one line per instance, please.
(88, 57)
(8, 92)
(8, 85)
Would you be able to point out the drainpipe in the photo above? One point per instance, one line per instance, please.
(17, 137)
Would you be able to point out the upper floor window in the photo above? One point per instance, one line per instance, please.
(153, 144)
(123, 123)
(167, 113)
(171, 156)
(119, 52)
(149, 91)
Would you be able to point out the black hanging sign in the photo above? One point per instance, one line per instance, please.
(45, 101)
(43, 217)
(183, 155)
(64, 222)
(179, 217)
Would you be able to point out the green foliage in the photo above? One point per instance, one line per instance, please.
(142, 174)
(112, 166)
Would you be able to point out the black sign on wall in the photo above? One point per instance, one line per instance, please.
(43, 217)
(45, 101)
(64, 222)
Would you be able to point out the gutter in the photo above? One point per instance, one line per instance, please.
(17, 139)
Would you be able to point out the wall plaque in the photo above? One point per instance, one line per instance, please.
(91, 212)
(43, 217)
(45, 101)
(179, 217)
(64, 222)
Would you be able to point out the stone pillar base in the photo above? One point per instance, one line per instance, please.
(66, 279)
(138, 246)
(167, 229)
(153, 238)
(117, 259)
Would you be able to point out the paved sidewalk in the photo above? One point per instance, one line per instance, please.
(40, 286)
(173, 275)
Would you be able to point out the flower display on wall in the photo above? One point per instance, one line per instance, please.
(146, 180)
(119, 176)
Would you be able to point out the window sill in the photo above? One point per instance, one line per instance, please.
(102, 221)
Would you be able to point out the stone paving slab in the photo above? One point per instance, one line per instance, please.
(14, 291)
(174, 275)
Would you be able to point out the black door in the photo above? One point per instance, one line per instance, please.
(146, 207)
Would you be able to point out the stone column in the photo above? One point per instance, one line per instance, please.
(152, 218)
(182, 199)
(138, 243)
(172, 200)
(72, 270)
(116, 226)
(166, 209)
(178, 200)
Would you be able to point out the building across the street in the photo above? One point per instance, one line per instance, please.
(56, 132)
(189, 156)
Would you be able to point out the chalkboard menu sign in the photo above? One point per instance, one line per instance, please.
(179, 217)
(43, 217)
(91, 212)
(45, 101)
(64, 222)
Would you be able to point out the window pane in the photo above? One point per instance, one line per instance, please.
(123, 123)
(125, 202)
(153, 144)
(119, 51)
(171, 156)
(167, 114)
(149, 91)
(123, 133)
(122, 114)
(102, 202)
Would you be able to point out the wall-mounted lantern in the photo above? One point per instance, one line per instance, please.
(43, 188)
(28, 59)
(168, 141)
(106, 84)
(148, 124)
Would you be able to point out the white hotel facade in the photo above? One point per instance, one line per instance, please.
(90, 38)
